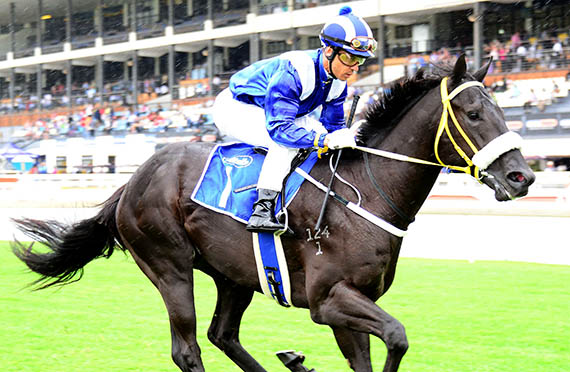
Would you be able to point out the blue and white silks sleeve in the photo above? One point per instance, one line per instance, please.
(281, 107)
(332, 114)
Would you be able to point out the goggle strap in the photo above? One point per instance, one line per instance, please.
(344, 42)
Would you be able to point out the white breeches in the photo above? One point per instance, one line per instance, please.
(246, 123)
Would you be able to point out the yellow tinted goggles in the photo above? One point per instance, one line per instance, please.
(351, 60)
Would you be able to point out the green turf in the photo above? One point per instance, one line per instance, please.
(459, 316)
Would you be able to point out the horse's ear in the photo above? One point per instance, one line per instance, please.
(482, 72)
(459, 69)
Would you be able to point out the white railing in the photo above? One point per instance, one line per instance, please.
(550, 194)
(453, 193)
(58, 190)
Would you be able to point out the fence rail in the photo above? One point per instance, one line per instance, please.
(452, 193)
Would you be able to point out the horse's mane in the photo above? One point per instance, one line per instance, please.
(399, 96)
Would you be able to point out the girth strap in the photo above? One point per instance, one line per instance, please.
(386, 226)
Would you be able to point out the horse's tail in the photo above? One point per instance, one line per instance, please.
(69, 247)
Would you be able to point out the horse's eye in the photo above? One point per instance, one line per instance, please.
(473, 115)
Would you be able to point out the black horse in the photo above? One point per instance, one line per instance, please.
(169, 235)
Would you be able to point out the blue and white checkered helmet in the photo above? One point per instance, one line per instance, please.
(350, 33)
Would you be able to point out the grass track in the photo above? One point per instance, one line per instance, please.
(459, 316)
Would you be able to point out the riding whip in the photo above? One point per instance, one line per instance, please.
(325, 201)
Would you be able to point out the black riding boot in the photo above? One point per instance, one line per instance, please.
(263, 217)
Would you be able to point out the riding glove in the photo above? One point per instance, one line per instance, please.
(340, 138)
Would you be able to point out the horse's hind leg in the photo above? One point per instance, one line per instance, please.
(178, 296)
(176, 289)
(163, 252)
(355, 347)
(232, 302)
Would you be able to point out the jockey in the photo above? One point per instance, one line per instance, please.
(268, 104)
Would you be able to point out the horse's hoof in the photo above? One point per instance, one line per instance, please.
(293, 360)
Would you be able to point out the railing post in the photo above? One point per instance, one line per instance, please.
(380, 51)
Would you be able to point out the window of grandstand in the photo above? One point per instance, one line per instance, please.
(53, 34)
(83, 30)
(113, 18)
(403, 32)
(25, 34)
(61, 164)
(272, 6)
(276, 47)
(86, 163)
(314, 42)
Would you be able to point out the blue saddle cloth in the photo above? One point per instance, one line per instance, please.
(228, 182)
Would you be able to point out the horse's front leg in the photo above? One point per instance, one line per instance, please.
(355, 346)
(345, 307)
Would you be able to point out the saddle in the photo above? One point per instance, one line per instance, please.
(229, 179)
(228, 186)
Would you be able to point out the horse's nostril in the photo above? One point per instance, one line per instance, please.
(517, 177)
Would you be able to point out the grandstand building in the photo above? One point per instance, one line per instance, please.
(59, 56)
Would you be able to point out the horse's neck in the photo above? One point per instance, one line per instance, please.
(408, 184)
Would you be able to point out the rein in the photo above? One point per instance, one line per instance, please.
(481, 159)
(475, 167)
(383, 194)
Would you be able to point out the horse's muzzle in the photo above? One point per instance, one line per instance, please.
(509, 176)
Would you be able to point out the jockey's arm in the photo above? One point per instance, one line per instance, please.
(282, 103)
(281, 107)
(332, 114)
(332, 117)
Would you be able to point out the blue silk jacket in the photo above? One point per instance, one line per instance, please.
(290, 86)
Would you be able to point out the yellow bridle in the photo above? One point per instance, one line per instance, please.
(444, 125)
(446, 98)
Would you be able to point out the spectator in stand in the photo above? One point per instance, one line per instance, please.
(162, 90)
(90, 92)
(513, 90)
(421, 62)
(411, 65)
(521, 58)
(33, 169)
(531, 55)
(502, 57)
(42, 167)
(97, 120)
(557, 53)
(434, 57)
(530, 100)
(565, 39)
(494, 54)
(216, 83)
(555, 93)
(132, 118)
(515, 41)
(550, 166)
(543, 99)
